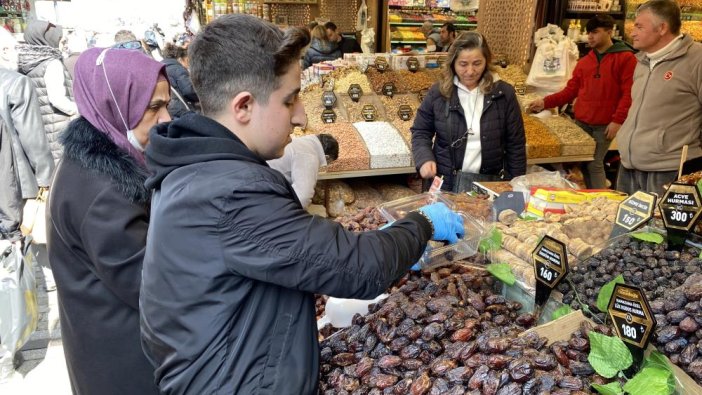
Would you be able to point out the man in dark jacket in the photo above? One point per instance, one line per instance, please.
(232, 260)
(602, 84)
(183, 96)
(346, 45)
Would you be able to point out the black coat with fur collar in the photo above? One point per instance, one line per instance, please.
(96, 228)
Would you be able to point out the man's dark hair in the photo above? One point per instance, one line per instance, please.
(123, 36)
(241, 53)
(329, 145)
(600, 20)
(668, 11)
(173, 51)
(330, 25)
(450, 27)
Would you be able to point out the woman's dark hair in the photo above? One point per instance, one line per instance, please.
(329, 145)
(172, 51)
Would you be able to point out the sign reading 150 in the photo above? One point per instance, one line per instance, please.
(629, 220)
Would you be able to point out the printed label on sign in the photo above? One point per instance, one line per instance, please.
(636, 210)
(328, 99)
(389, 89)
(405, 112)
(412, 64)
(520, 88)
(369, 112)
(381, 63)
(680, 206)
(355, 92)
(328, 116)
(631, 314)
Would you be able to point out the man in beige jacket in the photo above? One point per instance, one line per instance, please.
(666, 110)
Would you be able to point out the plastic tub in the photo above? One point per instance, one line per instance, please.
(398, 209)
(464, 248)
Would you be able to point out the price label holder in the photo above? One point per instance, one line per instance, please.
(355, 92)
(328, 99)
(422, 94)
(508, 201)
(328, 116)
(369, 112)
(521, 89)
(633, 320)
(405, 112)
(413, 64)
(389, 89)
(550, 266)
(680, 209)
(441, 60)
(381, 64)
(634, 212)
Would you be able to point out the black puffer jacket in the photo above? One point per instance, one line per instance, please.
(233, 262)
(320, 51)
(502, 137)
(179, 77)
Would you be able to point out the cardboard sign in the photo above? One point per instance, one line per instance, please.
(328, 99)
(550, 266)
(381, 63)
(389, 89)
(680, 207)
(369, 112)
(412, 64)
(328, 116)
(633, 320)
(355, 92)
(634, 212)
(405, 112)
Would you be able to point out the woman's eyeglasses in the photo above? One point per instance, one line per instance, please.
(135, 44)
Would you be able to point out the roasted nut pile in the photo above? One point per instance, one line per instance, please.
(512, 74)
(353, 154)
(392, 105)
(574, 140)
(541, 143)
(352, 76)
(379, 79)
(354, 110)
(312, 101)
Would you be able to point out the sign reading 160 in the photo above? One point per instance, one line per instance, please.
(629, 331)
(680, 216)
(546, 274)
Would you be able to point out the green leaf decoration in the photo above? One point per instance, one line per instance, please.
(608, 355)
(699, 186)
(650, 237)
(491, 242)
(502, 272)
(606, 293)
(612, 388)
(659, 361)
(650, 381)
(560, 312)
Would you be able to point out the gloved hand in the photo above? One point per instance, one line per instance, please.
(448, 225)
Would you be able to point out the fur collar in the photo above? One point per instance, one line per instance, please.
(95, 151)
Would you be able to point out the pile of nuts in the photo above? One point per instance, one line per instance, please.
(540, 142)
(574, 140)
(353, 154)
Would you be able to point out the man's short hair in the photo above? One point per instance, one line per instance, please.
(667, 10)
(329, 145)
(600, 20)
(330, 25)
(123, 36)
(241, 53)
(450, 27)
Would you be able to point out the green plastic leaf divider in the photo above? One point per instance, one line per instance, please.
(650, 237)
(650, 381)
(560, 312)
(502, 271)
(608, 355)
(492, 242)
(606, 293)
(612, 388)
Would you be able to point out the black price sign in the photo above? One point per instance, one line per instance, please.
(422, 94)
(441, 60)
(369, 112)
(355, 92)
(405, 112)
(680, 207)
(636, 210)
(550, 266)
(328, 116)
(631, 315)
(412, 64)
(328, 99)
(520, 87)
(381, 63)
(389, 89)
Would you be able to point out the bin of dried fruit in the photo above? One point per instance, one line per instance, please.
(363, 220)
(540, 142)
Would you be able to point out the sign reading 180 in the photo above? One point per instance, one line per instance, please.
(630, 332)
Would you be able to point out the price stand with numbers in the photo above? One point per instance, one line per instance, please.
(389, 89)
(369, 113)
(355, 92)
(634, 212)
(633, 320)
(328, 116)
(550, 267)
(680, 210)
(328, 99)
(405, 112)
(413, 64)
(381, 64)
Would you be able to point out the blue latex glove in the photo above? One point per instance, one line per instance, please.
(448, 225)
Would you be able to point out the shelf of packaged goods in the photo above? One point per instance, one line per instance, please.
(408, 42)
(305, 2)
(457, 24)
(590, 13)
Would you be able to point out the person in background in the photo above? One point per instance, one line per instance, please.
(98, 215)
(41, 60)
(124, 36)
(601, 83)
(346, 45)
(25, 158)
(469, 127)
(183, 98)
(666, 110)
(301, 161)
(447, 35)
(233, 260)
(76, 43)
(433, 36)
(320, 49)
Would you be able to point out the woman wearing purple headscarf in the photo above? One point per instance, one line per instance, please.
(98, 217)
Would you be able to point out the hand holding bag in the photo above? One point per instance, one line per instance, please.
(34, 217)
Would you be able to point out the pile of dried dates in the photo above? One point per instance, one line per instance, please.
(363, 220)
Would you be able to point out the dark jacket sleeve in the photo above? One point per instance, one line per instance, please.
(114, 237)
(515, 139)
(272, 239)
(423, 129)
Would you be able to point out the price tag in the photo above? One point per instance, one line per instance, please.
(441, 60)
(369, 112)
(328, 116)
(680, 207)
(631, 314)
(634, 212)
(328, 99)
(550, 266)
(355, 92)
(405, 112)
(413, 64)
(389, 89)
(520, 87)
(422, 94)
(381, 64)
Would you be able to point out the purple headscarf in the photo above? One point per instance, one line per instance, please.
(132, 76)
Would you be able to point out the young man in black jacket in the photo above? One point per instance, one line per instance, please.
(233, 261)
(346, 45)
